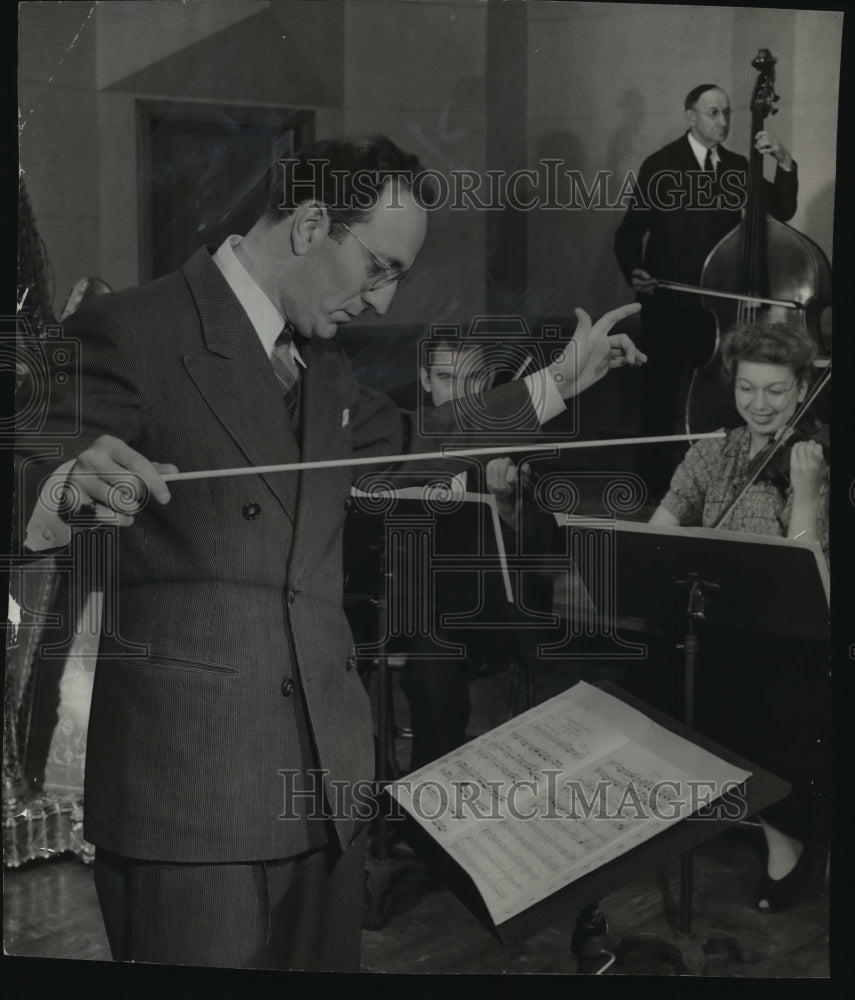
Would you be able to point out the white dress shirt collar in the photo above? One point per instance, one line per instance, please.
(700, 151)
(263, 314)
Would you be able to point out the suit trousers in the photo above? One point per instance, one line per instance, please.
(300, 913)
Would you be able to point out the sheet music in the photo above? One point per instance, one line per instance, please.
(557, 792)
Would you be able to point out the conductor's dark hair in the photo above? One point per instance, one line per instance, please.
(347, 176)
(770, 344)
(695, 93)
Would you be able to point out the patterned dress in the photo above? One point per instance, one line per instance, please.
(708, 479)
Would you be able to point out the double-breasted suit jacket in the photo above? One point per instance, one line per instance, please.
(233, 588)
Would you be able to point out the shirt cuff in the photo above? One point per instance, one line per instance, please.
(545, 397)
(46, 529)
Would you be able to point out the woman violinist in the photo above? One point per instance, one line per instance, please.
(763, 697)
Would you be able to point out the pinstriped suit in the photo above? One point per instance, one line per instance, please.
(235, 586)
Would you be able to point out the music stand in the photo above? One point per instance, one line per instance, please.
(760, 790)
(733, 580)
(399, 543)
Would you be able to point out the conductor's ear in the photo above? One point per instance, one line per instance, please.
(311, 226)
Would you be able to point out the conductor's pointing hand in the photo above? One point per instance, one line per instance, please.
(594, 350)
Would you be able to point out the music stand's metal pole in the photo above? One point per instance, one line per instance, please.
(695, 612)
(379, 869)
(385, 731)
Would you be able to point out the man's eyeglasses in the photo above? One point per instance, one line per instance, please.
(389, 275)
(716, 113)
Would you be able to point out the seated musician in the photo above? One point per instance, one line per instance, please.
(437, 686)
(765, 698)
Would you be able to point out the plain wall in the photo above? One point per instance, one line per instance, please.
(59, 151)
(464, 84)
(415, 71)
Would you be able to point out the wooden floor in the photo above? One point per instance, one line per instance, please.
(431, 931)
(51, 911)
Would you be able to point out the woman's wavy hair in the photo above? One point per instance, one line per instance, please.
(768, 343)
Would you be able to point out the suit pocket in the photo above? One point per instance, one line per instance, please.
(181, 663)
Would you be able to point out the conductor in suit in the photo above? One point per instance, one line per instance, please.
(689, 194)
(228, 767)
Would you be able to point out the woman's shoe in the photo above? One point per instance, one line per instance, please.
(774, 895)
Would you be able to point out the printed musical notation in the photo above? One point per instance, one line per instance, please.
(560, 790)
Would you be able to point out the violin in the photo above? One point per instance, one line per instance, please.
(772, 462)
(776, 470)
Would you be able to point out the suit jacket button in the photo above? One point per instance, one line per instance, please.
(348, 503)
(350, 663)
(251, 511)
(287, 687)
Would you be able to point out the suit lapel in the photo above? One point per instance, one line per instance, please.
(237, 380)
(732, 161)
(687, 155)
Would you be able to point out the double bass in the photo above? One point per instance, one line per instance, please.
(762, 271)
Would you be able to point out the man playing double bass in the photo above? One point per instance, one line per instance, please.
(689, 195)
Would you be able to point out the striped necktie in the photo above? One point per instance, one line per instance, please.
(286, 371)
